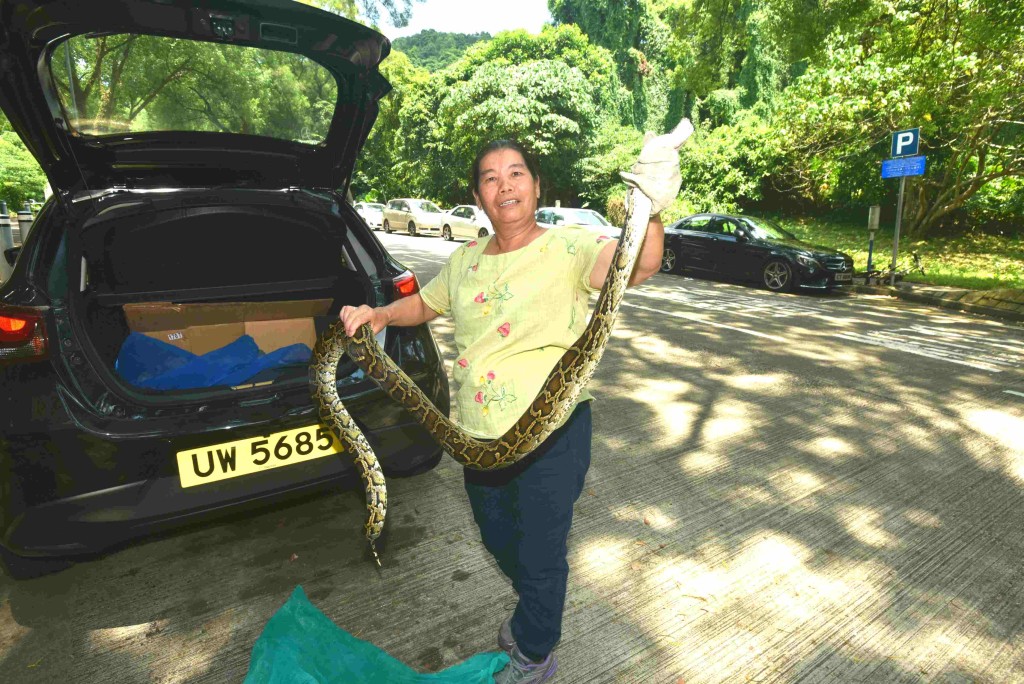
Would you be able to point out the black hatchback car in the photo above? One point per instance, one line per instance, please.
(756, 249)
(200, 154)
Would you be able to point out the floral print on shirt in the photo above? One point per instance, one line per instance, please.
(494, 296)
(492, 394)
(570, 244)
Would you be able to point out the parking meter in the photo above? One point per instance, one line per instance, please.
(873, 213)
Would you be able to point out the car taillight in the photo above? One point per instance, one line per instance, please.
(406, 284)
(22, 334)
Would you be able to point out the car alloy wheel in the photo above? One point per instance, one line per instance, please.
(668, 260)
(387, 227)
(412, 228)
(777, 275)
(482, 233)
(446, 233)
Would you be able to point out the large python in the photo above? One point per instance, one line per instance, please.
(558, 394)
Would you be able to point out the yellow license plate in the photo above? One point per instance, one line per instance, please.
(255, 455)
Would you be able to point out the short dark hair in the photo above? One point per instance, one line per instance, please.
(503, 144)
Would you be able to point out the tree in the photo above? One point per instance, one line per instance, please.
(545, 104)
(20, 175)
(434, 50)
(552, 91)
(954, 68)
(382, 171)
(567, 44)
(638, 41)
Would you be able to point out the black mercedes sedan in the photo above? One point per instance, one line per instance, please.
(756, 249)
(155, 333)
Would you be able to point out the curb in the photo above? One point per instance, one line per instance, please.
(918, 298)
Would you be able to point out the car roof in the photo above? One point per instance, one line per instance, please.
(351, 52)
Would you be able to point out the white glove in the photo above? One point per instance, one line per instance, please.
(656, 172)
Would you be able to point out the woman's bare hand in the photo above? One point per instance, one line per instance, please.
(352, 317)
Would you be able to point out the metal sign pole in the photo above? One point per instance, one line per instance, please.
(896, 236)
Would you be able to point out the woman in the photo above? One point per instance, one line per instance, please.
(518, 299)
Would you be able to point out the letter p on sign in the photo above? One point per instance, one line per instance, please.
(904, 143)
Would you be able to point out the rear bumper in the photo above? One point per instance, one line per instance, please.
(69, 491)
(97, 521)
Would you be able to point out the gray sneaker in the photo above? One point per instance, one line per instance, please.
(505, 639)
(522, 670)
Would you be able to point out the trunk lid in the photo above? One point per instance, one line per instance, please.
(173, 93)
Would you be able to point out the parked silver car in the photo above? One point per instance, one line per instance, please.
(413, 215)
(466, 221)
(372, 213)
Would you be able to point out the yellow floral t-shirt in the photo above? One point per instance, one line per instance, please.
(514, 316)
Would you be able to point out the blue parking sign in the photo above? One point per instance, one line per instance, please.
(904, 143)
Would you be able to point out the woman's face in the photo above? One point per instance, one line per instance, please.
(507, 191)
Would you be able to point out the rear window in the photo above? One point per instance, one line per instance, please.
(124, 83)
(427, 206)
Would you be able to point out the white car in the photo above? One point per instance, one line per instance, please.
(466, 221)
(372, 213)
(414, 216)
(556, 217)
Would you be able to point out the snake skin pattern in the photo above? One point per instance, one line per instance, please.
(557, 396)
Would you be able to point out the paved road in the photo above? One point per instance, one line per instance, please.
(784, 489)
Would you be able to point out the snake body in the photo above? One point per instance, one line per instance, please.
(556, 397)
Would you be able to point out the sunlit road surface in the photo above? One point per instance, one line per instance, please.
(784, 489)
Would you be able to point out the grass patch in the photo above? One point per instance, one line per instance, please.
(974, 260)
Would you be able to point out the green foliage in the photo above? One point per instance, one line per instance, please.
(545, 104)
(901, 70)
(20, 175)
(764, 66)
(434, 50)
(567, 44)
(997, 204)
(615, 149)
(720, 108)
(726, 168)
(551, 91)
(381, 170)
(638, 41)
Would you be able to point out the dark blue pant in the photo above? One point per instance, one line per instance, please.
(525, 524)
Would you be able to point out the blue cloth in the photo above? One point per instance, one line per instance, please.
(525, 523)
(154, 364)
(142, 358)
(300, 645)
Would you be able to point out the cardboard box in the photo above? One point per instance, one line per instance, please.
(201, 328)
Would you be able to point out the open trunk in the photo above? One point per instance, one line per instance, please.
(177, 292)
